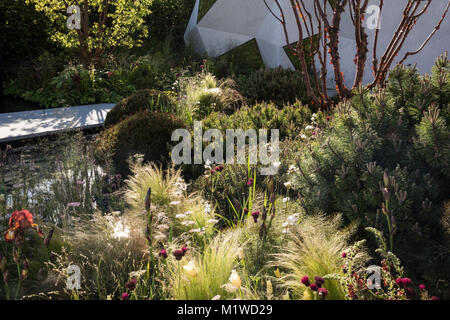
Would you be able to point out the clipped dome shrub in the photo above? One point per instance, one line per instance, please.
(146, 132)
(146, 99)
(277, 85)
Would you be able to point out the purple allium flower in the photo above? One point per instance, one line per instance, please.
(249, 182)
(322, 293)
(344, 255)
(212, 171)
(314, 287)
(305, 281)
(328, 118)
(399, 282)
(125, 296)
(178, 254)
(255, 216)
(319, 281)
(422, 287)
(434, 298)
(184, 250)
(131, 285)
(163, 253)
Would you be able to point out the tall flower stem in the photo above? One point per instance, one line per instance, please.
(19, 273)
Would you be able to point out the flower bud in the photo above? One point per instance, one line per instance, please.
(147, 199)
(49, 236)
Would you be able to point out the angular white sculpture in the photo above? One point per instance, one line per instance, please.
(231, 23)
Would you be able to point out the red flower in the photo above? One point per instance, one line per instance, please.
(422, 287)
(322, 293)
(344, 254)
(250, 182)
(125, 296)
(305, 281)
(163, 253)
(314, 287)
(255, 216)
(184, 250)
(131, 285)
(20, 222)
(435, 298)
(178, 254)
(319, 281)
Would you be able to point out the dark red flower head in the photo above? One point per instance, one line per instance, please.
(435, 298)
(125, 296)
(319, 281)
(305, 281)
(322, 293)
(250, 182)
(255, 216)
(131, 285)
(184, 250)
(422, 287)
(314, 287)
(344, 255)
(178, 254)
(245, 210)
(163, 253)
(406, 281)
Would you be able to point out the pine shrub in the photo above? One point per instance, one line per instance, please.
(385, 153)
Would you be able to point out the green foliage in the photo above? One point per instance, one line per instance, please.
(290, 120)
(203, 94)
(141, 100)
(169, 18)
(74, 85)
(123, 24)
(23, 31)
(396, 129)
(147, 133)
(277, 85)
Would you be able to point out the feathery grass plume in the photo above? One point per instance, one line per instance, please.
(106, 248)
(314, 249)
(214, 266)
(165, 185)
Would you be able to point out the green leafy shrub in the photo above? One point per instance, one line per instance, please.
(23, 32)
(141, 100)
(147, 133)
(383, 160)
(290, 120)
(169, 18)
(74, 85)
(277, 85)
